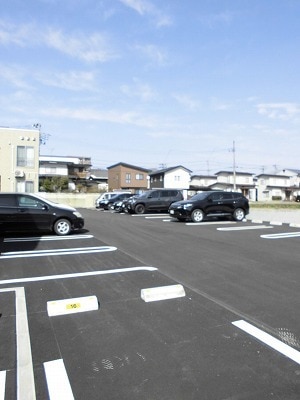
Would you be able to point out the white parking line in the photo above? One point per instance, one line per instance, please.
(57, 252)
(245, 228)
(161, 216)
(281, 235)
(76, 275)
(25, 377)
(57, 380)
(210, 223)
(149, 215)
(269, 340)
(2, 384)
(46, 238)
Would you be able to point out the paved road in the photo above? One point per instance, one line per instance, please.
(241, 298)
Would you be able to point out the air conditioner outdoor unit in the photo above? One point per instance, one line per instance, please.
(19, 174)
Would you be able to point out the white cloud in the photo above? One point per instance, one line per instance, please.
(143, 91)
(91, 48)
(113, 116)
(281, 111)
(156, 55)
(71, 80)
(14, 75)
(13, 34)
(144, 7)
(187, 101)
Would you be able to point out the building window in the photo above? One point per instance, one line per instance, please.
(25, 156)
(50, 170)
(177, 178)
(25, 186)
(29, 187)
(139, 177)
(128, 177)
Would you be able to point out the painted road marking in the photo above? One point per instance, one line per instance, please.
(57, 380)
(46, 238)
(149, 215)
(281, 235)
(76, 275)
(58, 252)
(161, 216)
(246, 228)
(71, 306)
(269, 340)
(25, 377)
(162, 293)
(2, 384)
(210, 223)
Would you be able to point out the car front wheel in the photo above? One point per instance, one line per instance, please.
(62, 227)
(197, 215)
(239, 214)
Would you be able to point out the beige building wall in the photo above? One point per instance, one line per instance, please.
(19, 160)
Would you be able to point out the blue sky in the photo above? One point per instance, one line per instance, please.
(152, 82)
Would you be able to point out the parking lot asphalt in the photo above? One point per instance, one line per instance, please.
(240, 287)
(275, 216)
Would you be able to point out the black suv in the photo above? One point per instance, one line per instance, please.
(25, 212)
(211, 204)
(154, 200)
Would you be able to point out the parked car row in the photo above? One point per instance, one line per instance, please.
(203, 205)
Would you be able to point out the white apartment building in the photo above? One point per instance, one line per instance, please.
(19, 160)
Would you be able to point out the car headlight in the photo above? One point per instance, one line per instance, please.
(77, 214)
(187, 206)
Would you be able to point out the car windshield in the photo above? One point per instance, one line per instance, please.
(200, 196)
(145, 194)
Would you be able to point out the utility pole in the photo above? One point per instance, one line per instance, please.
(234, 166)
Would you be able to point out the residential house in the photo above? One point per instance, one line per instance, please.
(239, 181)
(202, 182)
(177, 177)
(276, 187)
(19, 160)
(99, 177)
(127, 177)
(76, 169)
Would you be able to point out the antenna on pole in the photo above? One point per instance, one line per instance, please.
(234, 165)
(43, 136)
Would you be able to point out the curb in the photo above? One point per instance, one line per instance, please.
(278, 223)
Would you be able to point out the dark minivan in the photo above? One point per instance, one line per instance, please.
(154, 200)
(20, 212)
(211, 204)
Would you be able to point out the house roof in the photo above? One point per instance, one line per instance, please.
(97, 173)
(163, 171)
(204, 176)
(272, 175)
(237, 173)
(129, 166)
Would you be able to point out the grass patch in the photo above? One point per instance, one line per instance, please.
(276, 205)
